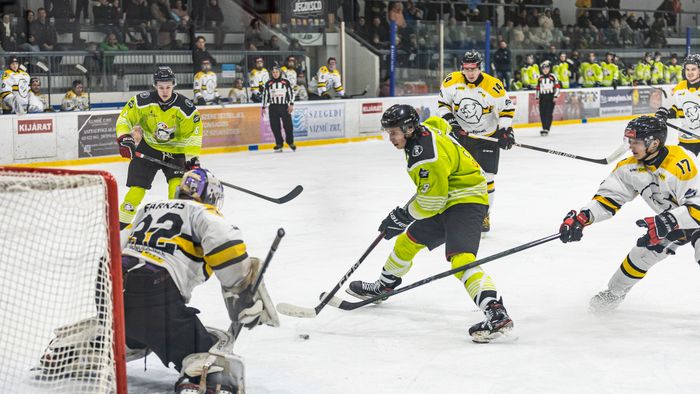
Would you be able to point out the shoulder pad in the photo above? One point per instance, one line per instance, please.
(6, 74)
(422, 150)
(323, 69)
(198, 74)
(627, 161)
(681, 85)
(453, 78)
(493, 84)
(145, 98)
(184, 104)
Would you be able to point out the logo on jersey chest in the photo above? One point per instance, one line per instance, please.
(164, 133)
(691, 110)
(471, 111)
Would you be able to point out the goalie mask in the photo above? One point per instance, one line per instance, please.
(201, 185)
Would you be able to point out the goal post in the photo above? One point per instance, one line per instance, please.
(61, 303)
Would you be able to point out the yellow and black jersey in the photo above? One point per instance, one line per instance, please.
(257, 78)
(480, 107)
(204, 85)
(686, 104)
(189, 239)
(670, 184)
(15, 81)
(74, 102)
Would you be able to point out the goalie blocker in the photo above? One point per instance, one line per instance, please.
(160, 273)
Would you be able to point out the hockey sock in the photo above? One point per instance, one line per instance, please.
(132, 200)
(628, 275)
(401, 258)
(173, 183)
(479, 285)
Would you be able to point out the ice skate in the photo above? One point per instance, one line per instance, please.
(366, 290)
(278, 148)
(293, 147)
(544, 133)
(496, 325)
(606, 301)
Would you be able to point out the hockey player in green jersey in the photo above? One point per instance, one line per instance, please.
(171, 129)
(449, 207)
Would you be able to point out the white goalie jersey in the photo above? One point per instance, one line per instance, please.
(189, 239)
(672, 186)
(480, 107)
(205, 86)
(686, 105)
(15, 91)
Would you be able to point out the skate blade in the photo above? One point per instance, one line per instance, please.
(352, 293)
(501, 336)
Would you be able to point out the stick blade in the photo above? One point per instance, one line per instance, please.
(292, 194)
(296, 311)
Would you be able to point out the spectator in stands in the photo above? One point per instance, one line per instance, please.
(94, 61)
(179, 14)
(361, 28)
(657, 33)
(63, 14)
(200, 53)
(552, 55)
(8, 37)
(137, 18)
(556, 18)
(412, 13)
(76, 99)
(37, 102)
(214, 19)
(545, 20)
(375, 8)
(107, 18)
(238, 94)
(540, 38)
(379, 33)
(396, 14)
(24, 26)
(502, 63)
(162, 25)
(30, 45)
(44, 33)
(111, 44)
(295, 46)
(254, 34)
(81, 9)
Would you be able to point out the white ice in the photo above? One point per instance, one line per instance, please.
(417, 342)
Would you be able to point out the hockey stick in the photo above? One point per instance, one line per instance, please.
(682, 130)
(300, 311)
(348, 306)
(662, 90)
(265, 264)
(607, 160)
(356, 95)
(286, 198)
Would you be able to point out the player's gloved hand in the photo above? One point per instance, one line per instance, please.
(571, 229)
(217, 100)
(395, 223)
(192, 163)
(506, 138)
(658, 227)
(127, 146)
(200, 101)
(662, 114)
(256, 98)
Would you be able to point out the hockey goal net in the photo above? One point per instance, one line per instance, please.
(61, 310)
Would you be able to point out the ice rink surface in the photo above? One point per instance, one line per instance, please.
(417, 342)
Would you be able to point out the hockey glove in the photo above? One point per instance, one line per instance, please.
(571, 229)
(395, 223)
(127, 146)
(663, 114)
(506, 138)
(657, 227)
(200, 101)
(192, 163)
(217, 100)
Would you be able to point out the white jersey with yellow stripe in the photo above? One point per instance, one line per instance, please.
(670, 184)
(686, 104)
(189, 239)
(480, 107)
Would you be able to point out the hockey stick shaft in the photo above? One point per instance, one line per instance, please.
(346, 305)
(265, 264)
(292, 310)
(357, 94)
(287, 197)
(682, 130)
(606, 160)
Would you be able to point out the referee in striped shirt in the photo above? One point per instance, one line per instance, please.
(278, 94)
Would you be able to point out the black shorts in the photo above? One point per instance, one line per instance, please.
(486, 153)
(694, 147)
(141, 171)
(157, 317)
(459, 228)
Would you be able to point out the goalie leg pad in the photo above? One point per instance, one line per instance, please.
(217, 371)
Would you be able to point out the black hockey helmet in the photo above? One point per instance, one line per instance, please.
(692, 59)
(13, 59)
(400, 115)
(201, 185)
(647, 128)
(163, 74)
(472, 56)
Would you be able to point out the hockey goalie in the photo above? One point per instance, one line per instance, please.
(171, 247)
